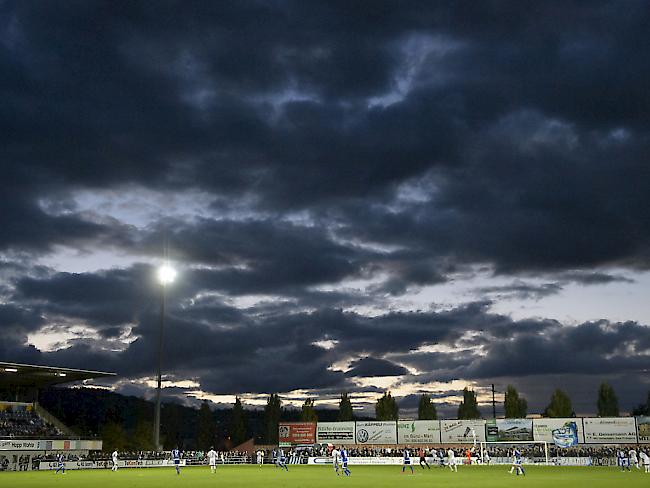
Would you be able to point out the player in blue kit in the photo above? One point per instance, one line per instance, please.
(516, 463)
(176, 456)
(344, 461)
(622, 460)
(60, 464)
(280, 461)
(407, 460)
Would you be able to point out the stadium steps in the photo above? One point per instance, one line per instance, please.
(48, 417)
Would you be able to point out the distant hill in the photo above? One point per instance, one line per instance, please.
(127, 421)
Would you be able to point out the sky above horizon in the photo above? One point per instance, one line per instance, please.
(357, 196)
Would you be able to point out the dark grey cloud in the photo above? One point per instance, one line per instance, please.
(595, 278)
(265, 350)
(521, 290)
(397, 143)
(370, 367)
(150, 100)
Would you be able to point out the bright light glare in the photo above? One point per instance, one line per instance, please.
(11, 370)
(166, 274)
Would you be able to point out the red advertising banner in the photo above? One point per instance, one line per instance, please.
(290, 433)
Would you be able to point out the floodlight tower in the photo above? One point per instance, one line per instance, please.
(166, 276)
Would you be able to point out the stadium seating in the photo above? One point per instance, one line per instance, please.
(20, 421)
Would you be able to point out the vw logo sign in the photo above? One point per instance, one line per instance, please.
(362, 435)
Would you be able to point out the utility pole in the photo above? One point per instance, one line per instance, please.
(494, 404)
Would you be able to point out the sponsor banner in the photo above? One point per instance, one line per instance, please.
(377, 461)
(508, 460)
(358, 460)
(376, 432)
(21, 445)
(50, 445)
(572, 461)
(335, 432)
(491, 430)
(290, 433)
(643, 429)
(514, 429)
(610, 430)
(461, 431)
(147, 463)
(418, 432)
(565, 432)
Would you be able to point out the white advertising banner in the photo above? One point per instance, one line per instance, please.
(358, 460)
(460, 431)
(376, 432)
(418, 432)
(147, 463)
(550, 430)
(572, 461)
(365, 461)
(20, 445)
(50, 445)
(335, 432)
(610, 430)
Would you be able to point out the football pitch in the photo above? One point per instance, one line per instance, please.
(322, 476)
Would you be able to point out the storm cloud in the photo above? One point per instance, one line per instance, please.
(327, 176)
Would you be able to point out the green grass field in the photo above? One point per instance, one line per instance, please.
(322, 476)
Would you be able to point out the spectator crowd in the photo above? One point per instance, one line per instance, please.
(24, 423)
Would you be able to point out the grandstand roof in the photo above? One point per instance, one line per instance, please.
(16, 374)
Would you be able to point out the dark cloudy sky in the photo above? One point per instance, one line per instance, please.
(357, 195)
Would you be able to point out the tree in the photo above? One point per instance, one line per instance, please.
(308, 413)
(515, 407)
(206, 428)
(643, 409)
(142, 438)
(272, 413)
(426, 408)
(560, 406)
(345, 408)
(238, 423)
(173, 425)
(468, 408)
(113, 437)
(386, 408)
(607, 401)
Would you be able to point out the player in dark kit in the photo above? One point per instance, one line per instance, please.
(423, 459)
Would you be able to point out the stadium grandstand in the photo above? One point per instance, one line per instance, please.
(28, 432)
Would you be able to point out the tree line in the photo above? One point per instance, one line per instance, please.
(514, 406)
(125, 422)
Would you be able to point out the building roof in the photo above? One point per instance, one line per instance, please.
(16, 374)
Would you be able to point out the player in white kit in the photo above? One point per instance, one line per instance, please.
(335, 461)
(451, 460)
(212, 460)
(486, 457)
(260, 458)
(114, 457)
(645, 460)
(634, 460)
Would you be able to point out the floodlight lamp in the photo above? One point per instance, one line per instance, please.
(166, 274)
